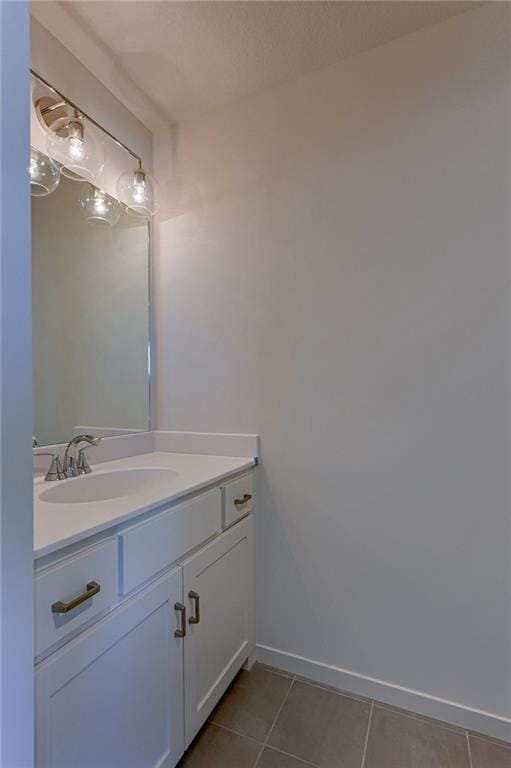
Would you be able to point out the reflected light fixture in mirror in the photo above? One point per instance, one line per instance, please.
(97, 208)
(76, 146)
(44, 174)
(139, 192)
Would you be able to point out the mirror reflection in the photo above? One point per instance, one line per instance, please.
(90, 265)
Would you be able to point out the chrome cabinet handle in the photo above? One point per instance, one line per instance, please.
(196, 598)
(239, 502)
(91, 589)
(181, 632)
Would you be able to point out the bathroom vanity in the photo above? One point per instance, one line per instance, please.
(143, 606)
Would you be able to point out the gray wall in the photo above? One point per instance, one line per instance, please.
(334, 275)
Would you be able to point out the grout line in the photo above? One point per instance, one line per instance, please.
(259, 756)
(231, 730)
(279, 711)
(273, 723)
(470, 764)
(295, 757)
(262, 744)
(364, 753)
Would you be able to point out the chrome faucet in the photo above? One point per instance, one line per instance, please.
(73, 465)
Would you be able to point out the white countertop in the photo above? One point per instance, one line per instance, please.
(62, 524)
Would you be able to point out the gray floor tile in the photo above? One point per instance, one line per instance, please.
(251, 704)
(215, 747)
(322, 727)
(400, 741)
(273, 759)
(489, 754)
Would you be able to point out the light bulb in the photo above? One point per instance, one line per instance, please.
(138, 190)
(75, 138)
(78, 148)
(97, 208)
(99, 204)
(44, 174)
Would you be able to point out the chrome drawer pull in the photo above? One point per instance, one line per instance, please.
(91, 589)
(240, 502)
(182, 610)
(196, 598)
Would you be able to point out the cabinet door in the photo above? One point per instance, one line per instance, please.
(113, 697)
(218, 591)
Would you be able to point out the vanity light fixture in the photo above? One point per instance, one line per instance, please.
(74, 141)
(139, 191)
(97, 208)
(44, 174)
(76, 146)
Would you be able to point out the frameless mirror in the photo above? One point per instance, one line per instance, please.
(90, 316)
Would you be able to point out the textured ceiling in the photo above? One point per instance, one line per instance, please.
(188, 58)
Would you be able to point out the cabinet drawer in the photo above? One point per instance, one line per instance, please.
(238, 499)
(58, 587)
(148, 548)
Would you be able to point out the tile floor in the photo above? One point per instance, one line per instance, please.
(268, 719)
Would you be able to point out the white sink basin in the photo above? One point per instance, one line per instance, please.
(108, 485)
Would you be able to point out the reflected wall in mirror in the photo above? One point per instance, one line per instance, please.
(90, 320)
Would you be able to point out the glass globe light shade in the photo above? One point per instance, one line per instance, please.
(44, 174)
(77, 147)
(97, 208)
(139, 191)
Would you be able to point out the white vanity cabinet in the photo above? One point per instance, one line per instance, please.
(113, 697)
(137, 675)
(217, 585)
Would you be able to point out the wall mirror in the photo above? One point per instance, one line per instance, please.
(91, 326)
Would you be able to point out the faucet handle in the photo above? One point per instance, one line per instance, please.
(83, 467)
(56, 471)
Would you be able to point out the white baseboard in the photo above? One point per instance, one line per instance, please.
(416, 701)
